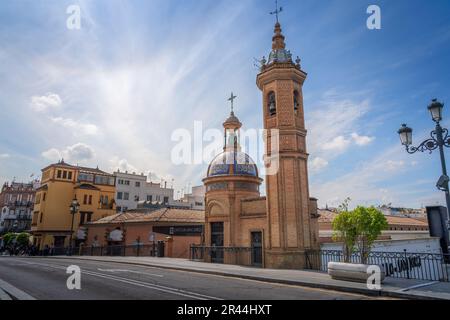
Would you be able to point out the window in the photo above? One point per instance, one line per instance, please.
(64, 174)
(59, 174)
(119, 195)
(82, 217)
(35, 217)
(85, 217)
(271, 103)
(126, 196)
(90, 199)
(86, 177)
(69, 175)
(166, 200)
(296, 100)
(105, 200)
(137, 184)
(101, 180)
(42, 217)
(149, 198)
(136, 198)
(104, 180)
(43, 198)
(85, 199)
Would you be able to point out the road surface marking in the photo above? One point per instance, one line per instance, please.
(418, 286)
(15, 292)
(156, 287)
(130, 271)
(4, 295)
(171, 290)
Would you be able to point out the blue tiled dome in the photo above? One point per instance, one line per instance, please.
(232, 163)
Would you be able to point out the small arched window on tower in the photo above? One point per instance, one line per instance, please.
(296, 100)
(271, 103)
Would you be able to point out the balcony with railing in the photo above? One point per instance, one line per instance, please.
(27, 204)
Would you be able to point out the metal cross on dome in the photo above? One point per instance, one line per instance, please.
(277, 10)
(231, 98)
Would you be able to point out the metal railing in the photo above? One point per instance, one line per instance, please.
(244, 256)
(409, 265)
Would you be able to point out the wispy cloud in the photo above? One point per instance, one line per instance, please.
(45, 102)
(378, 181)
(318, 163)
(79, 152)
(332, 124)
(76, 126)
(114, 101)
(361, 140)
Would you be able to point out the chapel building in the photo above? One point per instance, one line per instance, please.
(281, 226)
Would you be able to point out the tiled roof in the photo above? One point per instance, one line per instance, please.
(67, 165)
(405, 221)
(161, 215)
(328, 216)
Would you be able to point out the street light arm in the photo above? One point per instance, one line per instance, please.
(427, 145)
(446, 137)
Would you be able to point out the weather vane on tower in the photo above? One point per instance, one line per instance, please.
(277, 10)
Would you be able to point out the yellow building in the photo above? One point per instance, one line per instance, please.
(61, 183)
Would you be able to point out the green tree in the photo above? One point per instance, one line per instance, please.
(344, 229)
(23, 239)
(8, 238)
(369, 223)
(357, 229)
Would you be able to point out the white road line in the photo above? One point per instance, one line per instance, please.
(15, 292)
(175, 291)
(130, 271)
(4, 295)
(418, 286)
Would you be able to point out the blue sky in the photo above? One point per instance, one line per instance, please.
(111, 93)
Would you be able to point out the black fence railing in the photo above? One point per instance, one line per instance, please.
(135, 250)
(421, 266)
(244, 256)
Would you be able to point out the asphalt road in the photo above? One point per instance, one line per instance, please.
(45, 278)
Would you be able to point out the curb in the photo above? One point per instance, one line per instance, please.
(367, 292)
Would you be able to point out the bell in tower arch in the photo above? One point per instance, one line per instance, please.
(296, 100)
(272, 103)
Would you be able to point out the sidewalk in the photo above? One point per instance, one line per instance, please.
(392, 287)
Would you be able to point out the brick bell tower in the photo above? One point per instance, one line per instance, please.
(291, 214)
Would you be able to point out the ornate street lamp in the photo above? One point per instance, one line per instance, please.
(435, 109)
(74, 207)
(439, 139)
(405, 135)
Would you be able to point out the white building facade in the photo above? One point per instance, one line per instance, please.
(194, 200)
(132, 188)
